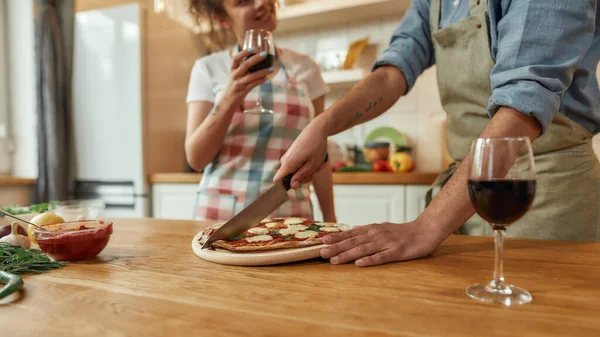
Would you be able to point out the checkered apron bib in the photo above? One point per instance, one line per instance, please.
(247, 161)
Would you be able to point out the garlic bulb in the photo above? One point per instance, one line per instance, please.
(16, 239)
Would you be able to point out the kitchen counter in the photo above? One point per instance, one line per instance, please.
(148, 282)
(346, 178)
(10, 180)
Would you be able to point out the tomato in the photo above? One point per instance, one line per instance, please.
(381, 166)
(338, 165)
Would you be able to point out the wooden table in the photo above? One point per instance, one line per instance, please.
(148, 283)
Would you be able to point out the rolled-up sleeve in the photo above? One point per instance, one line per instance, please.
(410, 47)
(539, 46)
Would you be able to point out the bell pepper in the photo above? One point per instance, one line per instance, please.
(401, 162)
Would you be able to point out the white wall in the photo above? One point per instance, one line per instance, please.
(418, 115)
(20, 27)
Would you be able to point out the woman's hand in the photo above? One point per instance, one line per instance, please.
(241, 80)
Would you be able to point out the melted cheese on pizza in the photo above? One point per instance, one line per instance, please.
(306, 234)
(293, 221)
(259, 238)
(258, 231)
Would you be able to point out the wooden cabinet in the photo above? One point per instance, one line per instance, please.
(355, 204)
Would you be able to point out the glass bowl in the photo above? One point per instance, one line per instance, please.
(76, 210)
(73, 241)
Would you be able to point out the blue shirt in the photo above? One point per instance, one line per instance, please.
(545, 52)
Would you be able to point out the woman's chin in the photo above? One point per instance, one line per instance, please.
(266, 25)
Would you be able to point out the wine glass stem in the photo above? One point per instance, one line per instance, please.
(499, 243)
(259, 99)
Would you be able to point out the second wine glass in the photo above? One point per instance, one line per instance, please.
(501, 187)
(261, 41)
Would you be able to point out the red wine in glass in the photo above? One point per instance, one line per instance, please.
(268, 62)
(501, 201)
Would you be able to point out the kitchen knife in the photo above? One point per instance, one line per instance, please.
(258, 210)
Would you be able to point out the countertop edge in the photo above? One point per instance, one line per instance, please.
(347, 178)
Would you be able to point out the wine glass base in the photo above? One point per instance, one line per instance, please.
(259, 111)
(499, 294)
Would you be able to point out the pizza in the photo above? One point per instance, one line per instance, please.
(276, 233)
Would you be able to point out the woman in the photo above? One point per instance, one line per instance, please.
(238, 151)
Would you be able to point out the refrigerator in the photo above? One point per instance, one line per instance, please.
(107, 124)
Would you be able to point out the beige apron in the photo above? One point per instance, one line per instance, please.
(567, 202)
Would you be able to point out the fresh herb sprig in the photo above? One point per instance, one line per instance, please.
(37, 208)
(17, 260)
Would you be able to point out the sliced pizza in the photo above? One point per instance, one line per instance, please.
(276, 233)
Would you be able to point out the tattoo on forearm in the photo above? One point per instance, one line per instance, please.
(359, 114)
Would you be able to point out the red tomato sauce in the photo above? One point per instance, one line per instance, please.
(76, 244)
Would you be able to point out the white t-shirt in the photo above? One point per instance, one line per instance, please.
(210, 75)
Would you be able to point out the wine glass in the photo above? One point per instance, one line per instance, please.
(261, 41)
(501, 187)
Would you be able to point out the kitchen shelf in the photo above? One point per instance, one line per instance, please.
(343, 78)
(315, 13)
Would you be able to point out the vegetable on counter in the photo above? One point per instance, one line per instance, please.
(12, 283)
(338, 165)
(16, 239)
(381, 166)
(7, 229)
(401, 162)
(44, 219)
(356, 168)
(18, 260)
(37, 208)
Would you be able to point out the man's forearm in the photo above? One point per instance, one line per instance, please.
(368, 99)
(451, 207)
(323, 184)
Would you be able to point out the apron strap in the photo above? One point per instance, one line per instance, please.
(434, 15)
(475, 6)
(441, 180)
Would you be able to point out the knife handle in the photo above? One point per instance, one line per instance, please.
(287, 180)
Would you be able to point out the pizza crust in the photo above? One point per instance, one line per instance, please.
(273, 246)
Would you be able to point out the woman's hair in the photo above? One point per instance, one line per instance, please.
(203, 10)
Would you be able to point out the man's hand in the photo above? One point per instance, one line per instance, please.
(306, 154)
(381, 243)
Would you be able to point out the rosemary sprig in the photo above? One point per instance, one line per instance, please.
(17, 260)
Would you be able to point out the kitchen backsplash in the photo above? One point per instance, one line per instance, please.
(418, 115)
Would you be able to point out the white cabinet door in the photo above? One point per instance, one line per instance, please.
(415, 200)
(174, 201)
(366, 204)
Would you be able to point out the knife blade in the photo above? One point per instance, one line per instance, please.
(258, 210)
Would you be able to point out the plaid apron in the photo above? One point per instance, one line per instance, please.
(248, 159)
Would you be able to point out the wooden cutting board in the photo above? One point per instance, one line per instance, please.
(264, 258)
